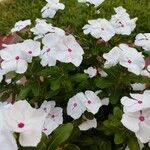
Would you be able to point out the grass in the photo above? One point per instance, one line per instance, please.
(75, 15)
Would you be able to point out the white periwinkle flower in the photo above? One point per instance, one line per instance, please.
(143, 40)
(30, 48)
(69, 50)
(92, 72)
(50, 9)
(88, 124)
(20, 25)
(16, 56)
(100, 28)
(136, 102)
(75, 106)
(81, 102)
(13, 59)
(27, 121)
(54, 116)
(48, 53)
(94, 2)
(138, 86)
(121, 22)
(112, 57)
(139, 123)
(127, 57)
(42, 27)
(7, 140)
(131, 59)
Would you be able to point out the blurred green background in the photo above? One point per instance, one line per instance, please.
(75, 15)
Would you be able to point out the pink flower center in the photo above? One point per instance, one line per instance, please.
(69, 50)
(141, 118)
(140, 102)
(30, 52)
(89, 102)
(45, 129)
(75, 104)
(129, 61)
(21, 125)
(48, 50)
(17, 58)
(53, 116)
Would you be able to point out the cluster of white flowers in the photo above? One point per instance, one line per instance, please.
(126, 56)
(28, 122)
(81, 102)
(17, 56)
(53, 46)
(136, 115)
(120, 23)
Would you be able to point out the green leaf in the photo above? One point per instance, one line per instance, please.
(115, 95)
(117, 112)
(119, 138)
(72, 147)
(103, 83)
(133, 143)
(60, 135)
(79, 77)
(55, 84)
(35, 88)
(24, 92)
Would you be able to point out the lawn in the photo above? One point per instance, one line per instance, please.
(75, 15)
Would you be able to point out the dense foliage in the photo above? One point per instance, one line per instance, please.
(63, 81)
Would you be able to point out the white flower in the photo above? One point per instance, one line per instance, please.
(49, 52)
(92, 102)
(121, 22)
(112, 57)
(138, 86)
(51, 8)
(136, 102)
(27, 121)
(95, 2)
(131, 59)
(41, 28)
(30, 48)
(139, 123)
(20, 25)
(88, 124)
(75, 106)
(81, 102)
(13, 59)
(47, 105)
(127, 57)
(92, 72)
(54, 117)
(69, 51)
(100, 28)
(143, 40)
(7, 140)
